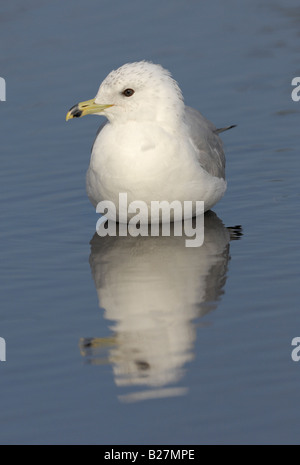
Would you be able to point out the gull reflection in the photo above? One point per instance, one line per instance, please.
(153, 290)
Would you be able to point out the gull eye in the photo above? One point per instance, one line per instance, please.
(128, 92)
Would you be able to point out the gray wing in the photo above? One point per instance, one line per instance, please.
(204, 136)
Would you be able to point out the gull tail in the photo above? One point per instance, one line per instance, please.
(217, 131)
(236, 232)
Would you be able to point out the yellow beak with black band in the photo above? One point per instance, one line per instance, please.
(85, 108)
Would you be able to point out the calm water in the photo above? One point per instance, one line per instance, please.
(144, 341)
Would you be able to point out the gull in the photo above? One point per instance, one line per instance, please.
(152, 147)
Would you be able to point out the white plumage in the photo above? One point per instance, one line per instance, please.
(152, 147)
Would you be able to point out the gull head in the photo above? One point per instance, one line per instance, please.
(140, 91)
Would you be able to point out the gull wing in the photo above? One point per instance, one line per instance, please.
(209, 146)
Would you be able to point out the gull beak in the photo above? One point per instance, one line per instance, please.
(85, 108)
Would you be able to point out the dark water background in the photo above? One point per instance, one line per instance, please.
(187, 346)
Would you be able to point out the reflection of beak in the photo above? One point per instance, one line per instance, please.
(85, 108)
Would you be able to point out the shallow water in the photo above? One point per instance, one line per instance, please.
(188, 345)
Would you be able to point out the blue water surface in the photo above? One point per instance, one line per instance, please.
(124, 341)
